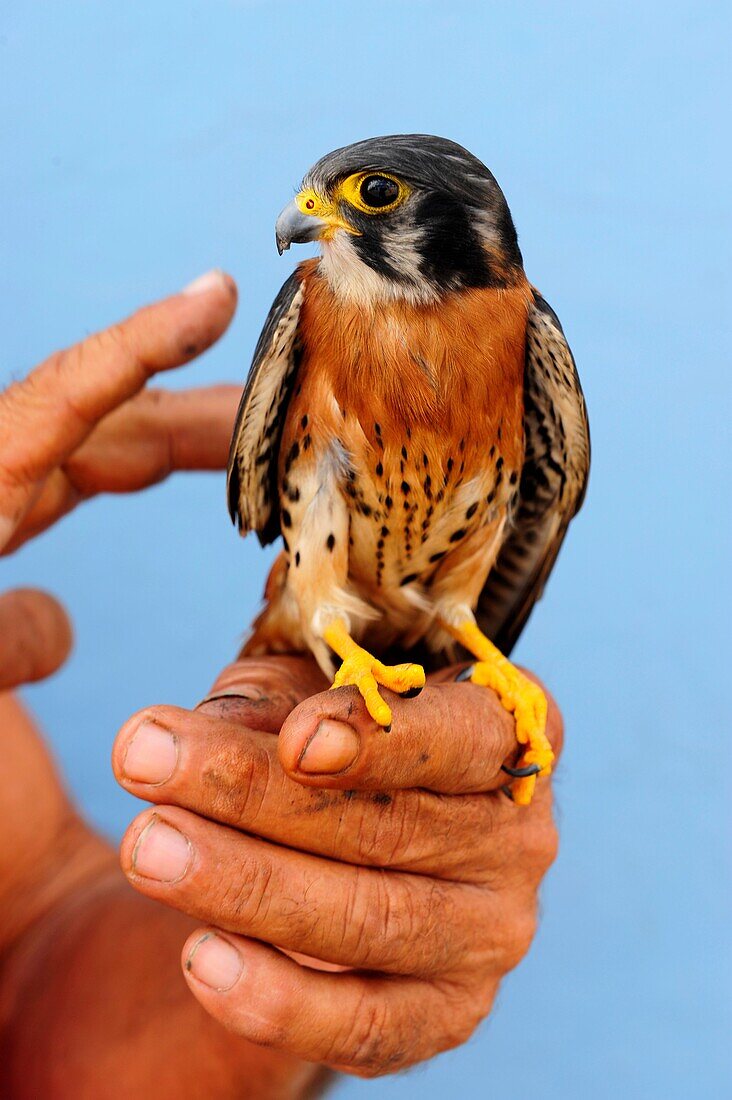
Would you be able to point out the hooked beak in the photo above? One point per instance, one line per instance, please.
(294, 227)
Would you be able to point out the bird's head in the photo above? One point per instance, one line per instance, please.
(409, 216)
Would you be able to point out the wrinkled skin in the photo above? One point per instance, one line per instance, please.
(91, 999)
(416, 902)
(428, 892)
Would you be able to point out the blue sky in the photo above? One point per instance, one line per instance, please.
(145, 143)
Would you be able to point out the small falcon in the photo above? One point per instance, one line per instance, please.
(414, 427)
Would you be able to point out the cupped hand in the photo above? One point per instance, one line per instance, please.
(364, 891)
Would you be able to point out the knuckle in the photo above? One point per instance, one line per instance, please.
(539, 843)
(246, 894)
(468, 1007)
(116, 342)
(517, 936)
(489, 849)
(115, 338)
(476, 740)
(366, 1043)
(410, 926)
(464, 1011)
(394, 921)
(376, 918)
(58, 367)
(549, 848)
(492, 734)
(12, 396)
(386, 833)
(236, 779)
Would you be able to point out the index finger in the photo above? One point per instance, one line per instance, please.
(452, 739)
(44, 418)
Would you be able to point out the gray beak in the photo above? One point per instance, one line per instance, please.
(294, 227)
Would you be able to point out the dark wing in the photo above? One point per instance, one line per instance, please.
(252, 472)
(553, 479)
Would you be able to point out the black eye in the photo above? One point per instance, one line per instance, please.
(378, 191)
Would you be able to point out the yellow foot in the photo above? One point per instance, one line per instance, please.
(366, 673)
(527, 703)
(523, 699)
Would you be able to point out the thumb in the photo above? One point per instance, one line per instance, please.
(35, 637)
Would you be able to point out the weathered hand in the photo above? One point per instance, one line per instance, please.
(395, 855)
(78, 425)
(81, 423)
(89, 981)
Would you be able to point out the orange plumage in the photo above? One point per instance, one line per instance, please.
(414, 421)
(402, 390)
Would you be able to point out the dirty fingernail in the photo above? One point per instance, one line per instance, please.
(215, 962)
(162, 852)
(152, 755)
(333, 747)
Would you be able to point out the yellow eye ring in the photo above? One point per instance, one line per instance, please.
(355, 193)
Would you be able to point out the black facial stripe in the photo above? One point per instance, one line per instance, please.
(371, 250)
(451, 251)
(370, 246)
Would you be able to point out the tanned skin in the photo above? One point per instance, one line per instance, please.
(95, 976)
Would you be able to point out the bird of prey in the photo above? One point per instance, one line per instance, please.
(414, 427)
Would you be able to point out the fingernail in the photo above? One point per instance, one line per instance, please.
(204, 283)
(152, 755)
(215, 962)
(162, 852)
(333, 747)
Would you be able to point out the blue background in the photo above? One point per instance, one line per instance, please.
(145, 143)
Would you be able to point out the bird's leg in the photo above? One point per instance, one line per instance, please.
(520, 697)
(367, 673)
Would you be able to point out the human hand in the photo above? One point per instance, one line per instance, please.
(77, 1009)
(79, 424)
(82, 423)
(394, 855)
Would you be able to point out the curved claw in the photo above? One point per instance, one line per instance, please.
(465, 674)
(521, 773)
(527, 703)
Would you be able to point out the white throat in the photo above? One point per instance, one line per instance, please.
(354, 281)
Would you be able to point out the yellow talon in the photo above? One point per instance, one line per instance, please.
(367, 673)
(520, 697)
